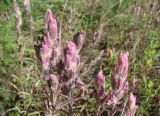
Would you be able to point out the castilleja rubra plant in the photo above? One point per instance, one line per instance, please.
(66, 89)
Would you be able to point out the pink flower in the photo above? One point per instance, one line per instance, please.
(122, 67)
(17, 15)
(99, 83)
(70, 49)
(45, 53)
(47, 17)
(53, 28)
(71, 59)
(51, 38)
(131, 110)
(119, 85)
(100, 80)
(120, 72)
(54, 83)
(112, 100)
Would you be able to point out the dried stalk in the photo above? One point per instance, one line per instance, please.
(27, 7)
(20, 37)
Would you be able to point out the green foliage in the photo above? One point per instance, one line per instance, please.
(5, 95)
(7, 41)
(151, 50)
(5, 5)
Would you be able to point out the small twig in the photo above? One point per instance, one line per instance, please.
(124, 107)
(68, 102)
(20, 37)
(61, 22)
(98, 110)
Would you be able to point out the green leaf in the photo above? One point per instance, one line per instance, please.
(123, 4)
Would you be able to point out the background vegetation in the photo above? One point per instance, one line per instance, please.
(131, 25)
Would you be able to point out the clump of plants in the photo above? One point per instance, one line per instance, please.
(67, 92)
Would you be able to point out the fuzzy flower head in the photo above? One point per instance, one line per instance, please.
(71, 58)
(119, 85)
(53, 28)
(51, 38)
(121, 68)
(70, 49)
(50, 26)
(120, 72)
(132, 107)
(47, 17)
(99, 80)
(99, 83)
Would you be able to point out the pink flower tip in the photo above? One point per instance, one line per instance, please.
(48, 14)
(132, 100)
(70, 46)
(100, 82)
(123, 58)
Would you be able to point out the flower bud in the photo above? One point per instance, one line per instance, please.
(78, 39)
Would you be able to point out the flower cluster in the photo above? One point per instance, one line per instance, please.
(64, 79)
(119, 86)
(61, 69)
